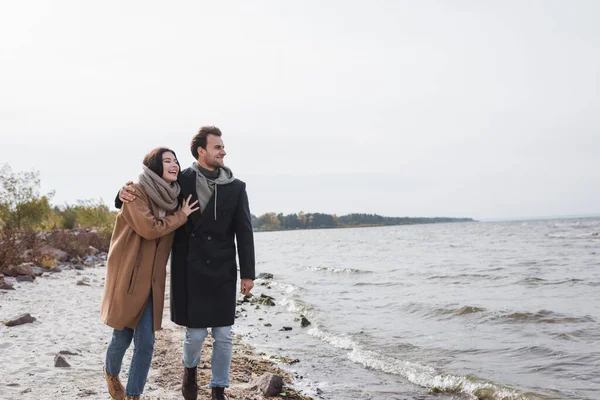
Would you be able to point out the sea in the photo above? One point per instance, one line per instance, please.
(477, 310)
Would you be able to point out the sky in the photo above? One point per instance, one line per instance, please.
(482, 109)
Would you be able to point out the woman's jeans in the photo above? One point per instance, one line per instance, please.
(221, 352)
(143, 338)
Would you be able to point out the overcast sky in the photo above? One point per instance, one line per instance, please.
(486, 109)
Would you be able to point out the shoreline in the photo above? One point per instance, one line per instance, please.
(66, 305)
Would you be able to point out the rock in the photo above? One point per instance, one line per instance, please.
(286, 328)
(61, 362)
(20, 320)
(269, 384)
(28, 390)
(265, 275)
(92, 251)
(79, 267)
(266, 300)
(267, 324)
(90, 261)
(24, 278)
(67, 353)
(6, 285)
(59, 255)
(304, 322)
(21, 269)
(37, 271)
(55, 269)
(82, 282)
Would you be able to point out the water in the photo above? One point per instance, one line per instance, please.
(505, 310)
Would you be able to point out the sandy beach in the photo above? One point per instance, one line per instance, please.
(67, 322)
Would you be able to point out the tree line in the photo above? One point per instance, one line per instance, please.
(22, 206)
(274, 222)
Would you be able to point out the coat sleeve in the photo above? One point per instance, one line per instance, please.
(139, 216)
(244, 236)
(118, 202)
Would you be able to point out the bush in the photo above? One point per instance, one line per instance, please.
(10, 248)
(76, 243)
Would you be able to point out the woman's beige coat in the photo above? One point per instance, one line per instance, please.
(137, 259)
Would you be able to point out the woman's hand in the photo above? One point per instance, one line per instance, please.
(126, 194)
(188, 208)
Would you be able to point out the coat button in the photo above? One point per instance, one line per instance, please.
(193, 235)
(208, 261)
(209, 238)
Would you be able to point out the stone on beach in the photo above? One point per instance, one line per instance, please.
(61, 362)
(90, 261)
(24, 278)
(59, 255)
(266, 300)
(304, 322)
(5, 285)
(92, 251)
(20, 320)
(265, 275)
(269, 384)
(21, 269)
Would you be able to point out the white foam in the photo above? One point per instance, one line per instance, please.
(418, 374)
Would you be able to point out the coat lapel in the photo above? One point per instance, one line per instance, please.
(208, 213)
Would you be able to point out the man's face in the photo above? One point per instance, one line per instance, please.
(214, 153)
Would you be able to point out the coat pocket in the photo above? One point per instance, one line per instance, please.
(133, 279)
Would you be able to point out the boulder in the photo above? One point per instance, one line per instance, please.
(266, 300)
(5, 285)
(61, 362)
(20, 320)
(92, 251)
(59, 255)
(90, 261)
(55, 269)
(24, 278)
(21, 269)
(304, 322)
(37, 271)
(269, 384)
(265, 275)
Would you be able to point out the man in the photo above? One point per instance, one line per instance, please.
(203, 259)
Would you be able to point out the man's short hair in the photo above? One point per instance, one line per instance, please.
(199, 140)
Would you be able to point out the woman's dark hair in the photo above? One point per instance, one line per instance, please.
(154, 161)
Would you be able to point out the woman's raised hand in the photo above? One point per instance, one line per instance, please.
(188, 208)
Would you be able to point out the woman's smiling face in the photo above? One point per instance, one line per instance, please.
(170, 167)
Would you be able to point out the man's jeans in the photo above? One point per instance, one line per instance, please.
(143, 337)
(221, 352)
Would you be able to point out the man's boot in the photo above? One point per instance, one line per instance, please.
(189, 387)
(115, 388)
(218, 393)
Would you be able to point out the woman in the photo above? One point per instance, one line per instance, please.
(136, 269)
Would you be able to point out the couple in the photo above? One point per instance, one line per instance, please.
(194, 215)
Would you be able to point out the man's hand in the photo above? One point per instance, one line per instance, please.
(246, 286)
(126, 194)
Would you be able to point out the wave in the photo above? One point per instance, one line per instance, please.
(587, 235)
(457, 311)
(380, 284)
(422, 375)
(339, 270)
(541, 317)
